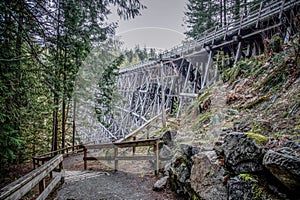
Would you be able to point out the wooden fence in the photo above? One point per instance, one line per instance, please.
(41, 159)
(130, 144)
(22, 186)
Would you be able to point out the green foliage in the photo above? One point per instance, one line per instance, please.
(42, 45)
(247, 177)
(204, 15)
(137, 55)
(243, 69)
(106, 94)
(200, 16)
(259, 139)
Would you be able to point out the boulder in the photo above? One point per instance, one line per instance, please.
(284, 164)
(242, 153)
(165, 153)
(189, 150)
(160, 184)
(168, 137)
(180, 170)
(207, 176)
(246, 186)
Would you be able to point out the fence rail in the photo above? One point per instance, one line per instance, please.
(22, 186)
(42, 158)
(118, 145)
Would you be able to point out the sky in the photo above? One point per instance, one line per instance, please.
(160, 26)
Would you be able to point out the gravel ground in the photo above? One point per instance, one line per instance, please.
(100, 183)
(114, 186)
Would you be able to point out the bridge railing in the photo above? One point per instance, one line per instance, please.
(22, 186)
(250, 20)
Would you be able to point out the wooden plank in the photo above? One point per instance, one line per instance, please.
(20, 187)
(50, 187)
(135, 158)
(137, 143)
(193, 95)
(100, 146)
(51, 154)
(98, 158)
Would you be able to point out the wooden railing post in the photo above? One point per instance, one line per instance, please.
(116, 159)
(33, 161)
(84, 158)
(156, 150)
(133, 148)
(61, 170)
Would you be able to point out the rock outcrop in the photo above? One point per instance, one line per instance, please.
(240, 166)
(180, 170)
(284, 164)
(245, 186)
(242, 153)
(207, 176)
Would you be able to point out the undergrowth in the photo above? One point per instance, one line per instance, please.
(262, 95)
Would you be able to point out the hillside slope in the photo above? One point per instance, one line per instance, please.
(240, 137)
(260, 95)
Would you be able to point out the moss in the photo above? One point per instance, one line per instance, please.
(257, 191)
(247, 177)
(259, 139)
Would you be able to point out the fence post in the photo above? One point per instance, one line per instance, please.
(33, 160)
(61, 170)
(133, 148)
(42, 183)
(84, 158)
(156, 157)
(116, 159)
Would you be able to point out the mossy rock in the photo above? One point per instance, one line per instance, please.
(258, 138)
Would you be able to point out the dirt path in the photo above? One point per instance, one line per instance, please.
(115, 186)
(102, 183)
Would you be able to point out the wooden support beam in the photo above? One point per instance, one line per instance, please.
(238, 53)
(193, 95)
(116, 160)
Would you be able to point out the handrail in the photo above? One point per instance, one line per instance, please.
(20, 187)
(52, 153)
(39, 160)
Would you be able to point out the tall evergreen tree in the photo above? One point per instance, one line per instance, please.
(203, 14)
(42, 44)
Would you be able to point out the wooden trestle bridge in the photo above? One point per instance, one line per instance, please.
(184, 71)
(168, 84)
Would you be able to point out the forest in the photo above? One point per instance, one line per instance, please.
(43, 45)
